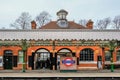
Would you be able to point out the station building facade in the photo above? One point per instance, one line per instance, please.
(42, 48)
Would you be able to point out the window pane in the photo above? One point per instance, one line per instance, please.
(107, 55)
(20, 59)
(7, 52)
(44, 56)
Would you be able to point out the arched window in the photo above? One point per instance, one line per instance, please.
(87, 55)
(43, 55)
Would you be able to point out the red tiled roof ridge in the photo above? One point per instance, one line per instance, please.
(71, 25)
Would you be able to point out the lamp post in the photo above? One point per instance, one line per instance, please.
(24, 47)
(23, 69)
(112, 46)
(112, 65)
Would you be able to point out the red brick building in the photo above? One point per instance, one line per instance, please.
(43, 48)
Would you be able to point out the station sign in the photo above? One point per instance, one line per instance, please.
(68, 63)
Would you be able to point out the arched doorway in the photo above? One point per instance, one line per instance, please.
(64, 52)
(42, 59)
(87, 54)
(8, 59)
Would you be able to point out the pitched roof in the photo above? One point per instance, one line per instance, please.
(71, 25)
(86, 34)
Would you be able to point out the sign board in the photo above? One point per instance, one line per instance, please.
(68, 63)
(1, 61)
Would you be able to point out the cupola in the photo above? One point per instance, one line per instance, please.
(62, 21)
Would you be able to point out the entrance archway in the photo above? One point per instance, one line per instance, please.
(64, 52)
(42, 59)
(8, 59)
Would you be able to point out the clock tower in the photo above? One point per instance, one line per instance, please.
(62, 21)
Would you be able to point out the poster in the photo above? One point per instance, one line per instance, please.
(1, 61)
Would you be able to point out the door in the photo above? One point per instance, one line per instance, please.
(7, 62)
(7, 59)
(31, 61)
(99, 62)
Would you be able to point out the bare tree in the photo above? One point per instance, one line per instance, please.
(103, 24)
(116, 22)
(23, 22)
(3, 28)
(43, 18)
(83, 22)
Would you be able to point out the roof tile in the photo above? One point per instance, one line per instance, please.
(71, 25)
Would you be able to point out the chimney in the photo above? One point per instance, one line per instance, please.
(33, 24)
(90, 24)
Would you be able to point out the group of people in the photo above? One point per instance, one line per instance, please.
(41, 64)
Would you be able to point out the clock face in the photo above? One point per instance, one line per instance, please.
(62, 23)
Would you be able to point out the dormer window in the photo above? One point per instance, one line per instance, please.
(62, 23)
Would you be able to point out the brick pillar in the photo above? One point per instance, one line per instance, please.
(103, 57)
(89, 24)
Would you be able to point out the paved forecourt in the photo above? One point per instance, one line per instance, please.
(59, 75)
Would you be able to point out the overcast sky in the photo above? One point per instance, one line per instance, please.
(77, 9)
